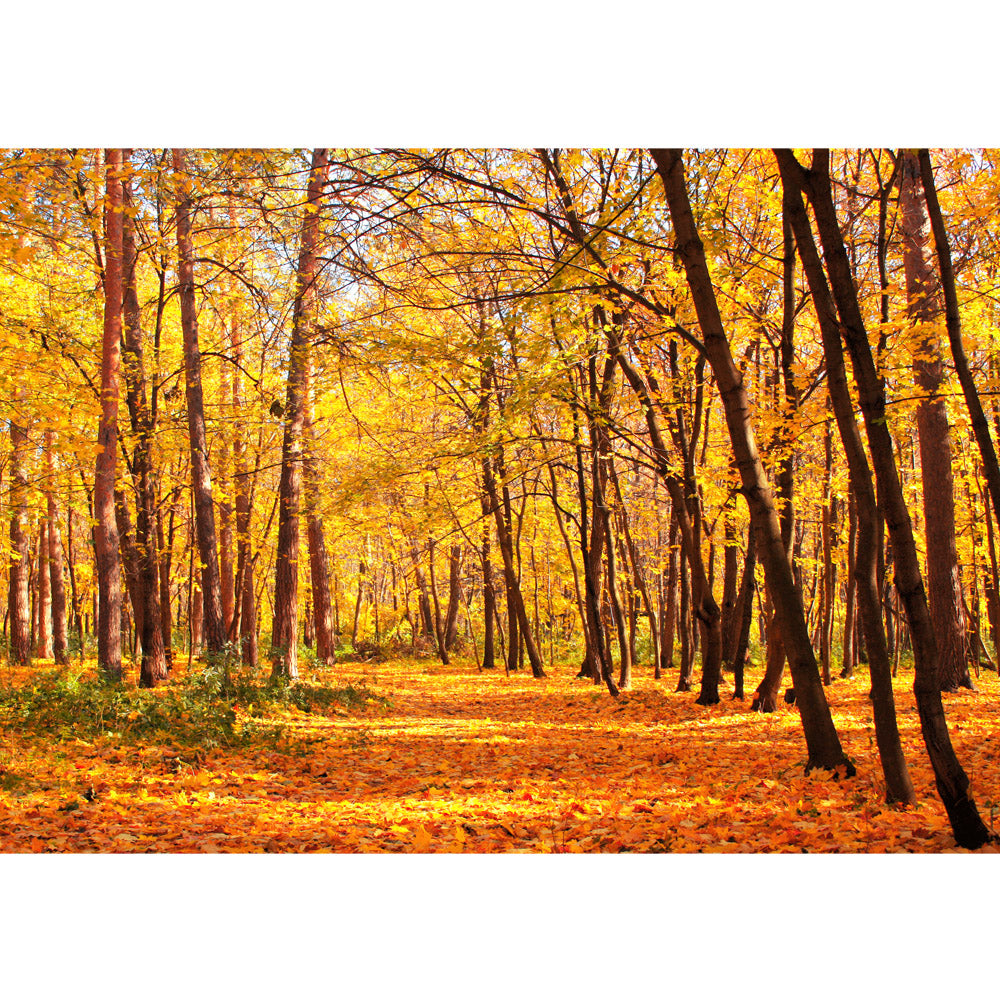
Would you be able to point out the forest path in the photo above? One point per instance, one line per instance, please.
(483, 762)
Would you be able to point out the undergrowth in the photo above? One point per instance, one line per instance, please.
(206, 710)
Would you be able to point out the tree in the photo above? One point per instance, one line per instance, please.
(201, 476)
(952, 781)
(821, 736)
(944, 584)
(284, 640)
(109, 651)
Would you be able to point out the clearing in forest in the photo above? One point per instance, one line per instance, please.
(412, 756)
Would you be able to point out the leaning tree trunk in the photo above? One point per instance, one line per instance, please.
(924, 308)
(201, 476)
(286, 609)
(822, 741)
(899, 787)
(952, 781)
(109, 608)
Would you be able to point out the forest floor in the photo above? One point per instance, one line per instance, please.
(425, 758)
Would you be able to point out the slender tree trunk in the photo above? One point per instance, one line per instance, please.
(109, 647)
(924, 308)
(687, 639)
(454, 596)
(488, 661)
(286, 609)
(201, 477)
(668, 621)
(44, 635)
(826, 618)
(730, 588)
(849, 658)
(823, 743)
(744, 615)
(60, 642)
(319, 562)
(992, 592)
(438, 623)
(637, 573)
(952, 782)
(18, 610)
(899, 787)
(153, 666)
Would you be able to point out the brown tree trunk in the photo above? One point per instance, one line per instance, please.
(201, 476)
(730, 588)
(488, 661)
(43, 637)
(668, 620)
(826, 616)
(899, 787)
(744, 615)
(951, 780)
(637, 572)
(454, 596)
(60, 642)
(438, 623)
(849, 658)
(286, 609)
(109, 647)
(319, 562)
(153, 667)
(18, 610)
(823, 743)
(924, 309)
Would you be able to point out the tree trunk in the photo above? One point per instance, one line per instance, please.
(319, 563)
(60, 643)
(730, 585)
(951, 780)
(109, 642)
(201, 477)
(849, 658)
(823, 743)
(43, 638)
(488, 661)
(744, 614)
(286, 609)
(924, 308)
(899, 788)
(18, 610)
(668, 620)
(153, 666)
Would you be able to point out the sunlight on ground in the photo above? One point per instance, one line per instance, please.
(464, 761)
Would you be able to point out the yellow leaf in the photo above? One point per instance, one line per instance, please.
(421, 840)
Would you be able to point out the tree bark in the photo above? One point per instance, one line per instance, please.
(951, 780)
(60, 641)
(153, 666)
(286, 610)
(18, 610)
(109, 648)
(201, 476)
(319, 562)
(899, 787)
(823, 743)
(924, 308)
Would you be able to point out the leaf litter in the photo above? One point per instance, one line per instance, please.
(458, 761)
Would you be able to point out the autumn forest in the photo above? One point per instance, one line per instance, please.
(490, 500)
